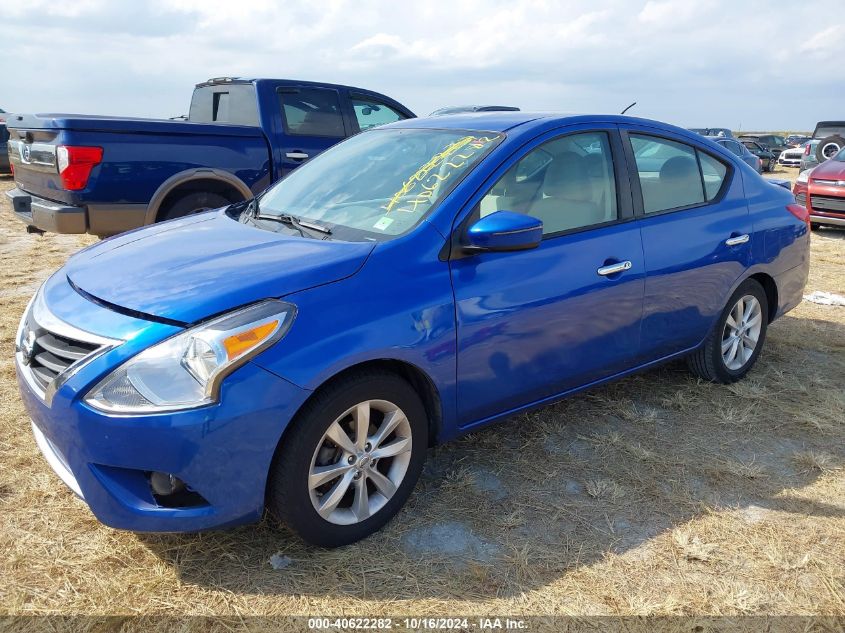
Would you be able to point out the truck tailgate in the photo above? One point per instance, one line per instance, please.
(33, 140)
(33, 155)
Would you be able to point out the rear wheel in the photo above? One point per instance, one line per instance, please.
(351, 460)
(194, 203)
(772, 164)
(735, 343)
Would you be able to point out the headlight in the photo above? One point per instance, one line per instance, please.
(804, 176)
(185, 371)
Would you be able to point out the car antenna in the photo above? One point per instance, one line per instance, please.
(629, 107)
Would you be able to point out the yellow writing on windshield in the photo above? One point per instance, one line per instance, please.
(454, 156)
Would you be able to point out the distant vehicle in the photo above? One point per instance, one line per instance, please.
(774, 143)
(473, 108)
(796, 140)
(4, 148)
(301, 352)
(713, 131)
(792, 156)
(831, 137)
(768, 160)
(822, 191)
(740, 150)
(105, 175)
(809, 159)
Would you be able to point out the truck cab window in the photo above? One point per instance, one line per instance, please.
(312, 112)
(370, 113)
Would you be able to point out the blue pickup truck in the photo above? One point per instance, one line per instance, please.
(105, 175)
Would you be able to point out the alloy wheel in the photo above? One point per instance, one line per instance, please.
(360, 462)
(742, 332)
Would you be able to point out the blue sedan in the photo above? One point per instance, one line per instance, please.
(300, 352)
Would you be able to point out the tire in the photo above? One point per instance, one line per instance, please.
(772, 164)
(194, 203)
(825, 148)
(708, 361)
(306, 446)
(815, 226)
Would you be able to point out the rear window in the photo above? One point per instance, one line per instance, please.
(312, 112)
(225, 103)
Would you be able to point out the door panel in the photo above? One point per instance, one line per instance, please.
(690, 269)
(535, 323)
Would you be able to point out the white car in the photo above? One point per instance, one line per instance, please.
(792, 157)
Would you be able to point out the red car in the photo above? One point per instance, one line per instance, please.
(822, 191)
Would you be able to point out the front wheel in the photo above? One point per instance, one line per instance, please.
(350, 461)
(772, 164)
(732, 348)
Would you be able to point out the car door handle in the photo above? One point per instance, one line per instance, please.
(297, 155)
(739, 239)
(611, 269)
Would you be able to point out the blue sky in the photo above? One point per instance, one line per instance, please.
(749, 64)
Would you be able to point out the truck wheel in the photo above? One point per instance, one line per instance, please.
(194, 203)
(829, 146)
(351, 459)
(735, 343)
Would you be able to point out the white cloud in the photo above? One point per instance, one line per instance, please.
(711, 62)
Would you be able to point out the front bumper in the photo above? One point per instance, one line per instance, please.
(56, 217)
(223, 452)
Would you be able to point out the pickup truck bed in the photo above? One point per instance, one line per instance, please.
(128, 172)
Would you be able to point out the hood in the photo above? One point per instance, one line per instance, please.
(190, 269)
(829, 170)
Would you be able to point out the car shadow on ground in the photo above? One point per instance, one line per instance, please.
(541, 495)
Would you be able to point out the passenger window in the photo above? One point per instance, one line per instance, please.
(568, 183)
(713, 172)
(312, 112)
(371, 113)
(669, 174)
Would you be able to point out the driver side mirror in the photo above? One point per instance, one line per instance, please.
(504, 231)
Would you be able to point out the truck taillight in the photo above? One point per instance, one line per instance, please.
(807, 150)
(75, 165)
(800, 212)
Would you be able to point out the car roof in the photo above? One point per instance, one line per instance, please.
(504, 121)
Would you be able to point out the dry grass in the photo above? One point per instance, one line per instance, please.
(658, 495)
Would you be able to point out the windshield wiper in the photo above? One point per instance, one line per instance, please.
(305, 227)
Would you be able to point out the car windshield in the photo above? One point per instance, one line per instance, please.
(380, 183)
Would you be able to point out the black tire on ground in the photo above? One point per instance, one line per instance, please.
(193, 203)
(706, 362)
(814, 226)
(824, 149)
(772, 164)
(288, 499)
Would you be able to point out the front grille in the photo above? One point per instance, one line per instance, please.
(48, 351)
(52, 354)
(801, 198)
(828, 203)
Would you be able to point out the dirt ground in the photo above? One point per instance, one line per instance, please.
(656, 495)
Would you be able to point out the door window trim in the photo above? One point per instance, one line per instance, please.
(282, 90)
(634, 174)
(625, 209)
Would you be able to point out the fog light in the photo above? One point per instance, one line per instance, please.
(171, 492)
(164, 484)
